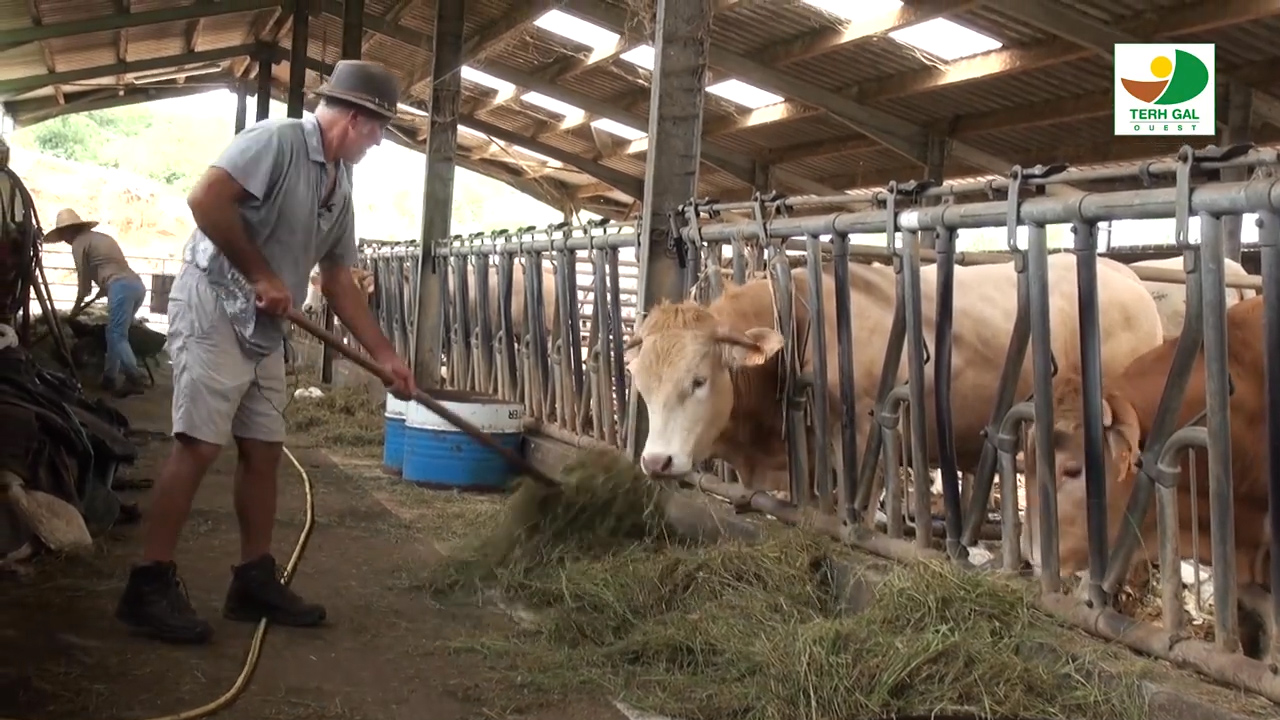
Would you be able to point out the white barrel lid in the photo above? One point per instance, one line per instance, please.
(396, 407)
(491, 416)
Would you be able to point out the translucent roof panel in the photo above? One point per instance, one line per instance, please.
(945, 39)
(483, 78)
(555, 106)
(617, 128)
(744, 94)
(640, 56)
(576, 29)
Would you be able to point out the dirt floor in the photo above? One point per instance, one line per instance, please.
(381, 655)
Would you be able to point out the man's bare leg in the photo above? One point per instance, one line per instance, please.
(173, 494)
(154, 601)
(256, 590)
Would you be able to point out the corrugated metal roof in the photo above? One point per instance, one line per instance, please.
(753, 30)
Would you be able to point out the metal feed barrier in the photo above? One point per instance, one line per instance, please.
(904, 215)
(568, 369)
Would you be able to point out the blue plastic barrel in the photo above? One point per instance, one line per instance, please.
(393, 436)
(438, 455)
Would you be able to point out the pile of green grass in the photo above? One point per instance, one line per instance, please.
(623, 609)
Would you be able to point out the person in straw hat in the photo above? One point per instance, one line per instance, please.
(276, 202)
(100, 260)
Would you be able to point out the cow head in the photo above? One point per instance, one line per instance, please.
(682, 361)
(364, 279)
(1121, 445)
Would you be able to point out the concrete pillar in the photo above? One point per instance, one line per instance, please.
(681, 41)
(437, 196)
(1239, 114)
(298, 56)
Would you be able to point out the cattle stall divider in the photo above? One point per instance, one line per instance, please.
(1195, 192)
(536, 316)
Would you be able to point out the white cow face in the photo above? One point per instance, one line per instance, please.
(682, 362)
(1121, 437)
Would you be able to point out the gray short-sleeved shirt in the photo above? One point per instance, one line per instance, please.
(280, 162)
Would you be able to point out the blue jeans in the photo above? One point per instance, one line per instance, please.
(124, 298)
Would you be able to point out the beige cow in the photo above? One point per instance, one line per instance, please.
(709, 375)
(363, 279)
(519, 317)
(1171, 298)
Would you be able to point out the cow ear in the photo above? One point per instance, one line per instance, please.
(1123, 432)
(754, 347)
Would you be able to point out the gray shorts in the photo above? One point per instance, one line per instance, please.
(219, 392)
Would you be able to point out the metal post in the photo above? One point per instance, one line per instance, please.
(1086, 248)
(242, 106)
(298, 56)
(676, 98)
(944, 304)
(1269, 239)
(1218, 419)
(935, 159)
(437, 196)
(1042, 374)
(352, 29)
(1239, 115)
(264, 86)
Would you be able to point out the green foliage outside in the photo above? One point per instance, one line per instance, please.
(172, 142)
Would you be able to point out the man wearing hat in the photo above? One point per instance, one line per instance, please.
(99, 260)
(276, 202)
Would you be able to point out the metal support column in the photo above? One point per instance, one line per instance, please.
(676, 99)
(352, 29)
(298, 56)
(936, 158)
(242, 105)
(1239, 114)
(437, 195)
(352, 37)
(264, 86)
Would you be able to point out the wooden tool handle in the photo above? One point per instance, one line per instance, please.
(515, 461)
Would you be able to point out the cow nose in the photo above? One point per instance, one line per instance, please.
(655, 464)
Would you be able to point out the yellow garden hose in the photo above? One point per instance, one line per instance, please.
(255, 647)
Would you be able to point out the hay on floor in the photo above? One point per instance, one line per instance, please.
(348, 418)
(622, 609)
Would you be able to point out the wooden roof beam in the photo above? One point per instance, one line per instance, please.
(1120, 150)
(16, 37)
(493, 36)
(1067, 23)
(904, 137)
(827, 39)
(1165, 24)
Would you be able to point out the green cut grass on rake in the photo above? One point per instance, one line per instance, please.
(614, 605)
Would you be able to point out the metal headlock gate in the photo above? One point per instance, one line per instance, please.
(554, 340)
(537, 337)
(904, 212)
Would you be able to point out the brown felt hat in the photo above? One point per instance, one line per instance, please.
(68, 226)
(367, 84)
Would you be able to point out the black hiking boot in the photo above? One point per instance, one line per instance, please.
(257, 592)
(155, 604)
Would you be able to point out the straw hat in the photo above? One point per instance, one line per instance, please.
(367, 84)
(68, 226)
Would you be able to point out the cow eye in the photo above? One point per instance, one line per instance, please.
(697, 383)
(1072, 469)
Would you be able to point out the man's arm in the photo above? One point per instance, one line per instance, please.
(247, 168)
(82, 273)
